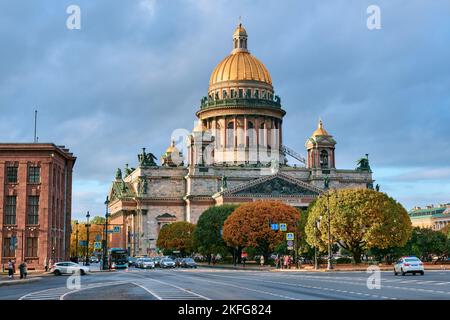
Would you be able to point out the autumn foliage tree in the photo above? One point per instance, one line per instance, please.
(249, 225)
(177, 236)
(95, 230)
(360, 219)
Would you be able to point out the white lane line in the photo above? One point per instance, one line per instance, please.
(310, 287)
(241, 287)
(148, 290)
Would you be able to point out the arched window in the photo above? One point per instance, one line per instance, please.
(230, 134)
(324, 159)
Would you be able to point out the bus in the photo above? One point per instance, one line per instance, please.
(118, 258)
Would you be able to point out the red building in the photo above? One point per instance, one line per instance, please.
(35, 202)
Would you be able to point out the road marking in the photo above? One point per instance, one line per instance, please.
(311, 287)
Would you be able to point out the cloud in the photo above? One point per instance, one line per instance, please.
(138, 69)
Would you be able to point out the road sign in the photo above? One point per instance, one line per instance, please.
(98, 238)
(274, 226)
(290, 243)
(109, 231)
(290, 236)
(83, 243)
(116, 229)
(97, 245)
(290, 248)
(283, 227)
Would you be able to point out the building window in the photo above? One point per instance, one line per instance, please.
(34, 174)
(11, 174)
(33, 210)
(9, 247)
(230, 134)
(10, 210)
(32, 246)
(241, 93)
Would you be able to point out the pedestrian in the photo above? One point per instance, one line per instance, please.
(262, 261)
(23, 270)
(46, 264)
(243, 258)
(10, 269)
(286, 262)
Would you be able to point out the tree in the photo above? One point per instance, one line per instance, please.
(207, 237)
(249, 225)
(94, 230)
(98, 220)
(360, 219)
(177, 236)
(425, 242)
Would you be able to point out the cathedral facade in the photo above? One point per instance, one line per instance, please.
(235, 154)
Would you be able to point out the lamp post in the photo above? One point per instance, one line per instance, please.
(87, 237)
(105, 246)
(76, 241)
(316, 226)
(326, 181)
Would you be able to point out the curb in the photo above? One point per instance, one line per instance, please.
(17, 282)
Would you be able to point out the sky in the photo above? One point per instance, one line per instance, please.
(137, 69)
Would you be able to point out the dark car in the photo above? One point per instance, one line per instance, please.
(188, 263)
(178, 262)
(132, 261)
(157, 261)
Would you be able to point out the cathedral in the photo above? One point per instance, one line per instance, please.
(234, 154)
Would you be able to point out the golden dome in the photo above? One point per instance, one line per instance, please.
(320, 131)
(172, 148)
(240, 64)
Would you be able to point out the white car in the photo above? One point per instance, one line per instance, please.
(406, 265)
(68, 267)
(147, 263)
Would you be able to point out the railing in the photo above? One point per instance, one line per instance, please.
(251, 102)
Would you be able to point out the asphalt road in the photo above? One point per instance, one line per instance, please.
(214, 284)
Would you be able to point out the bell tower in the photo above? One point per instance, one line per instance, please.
(320, 148)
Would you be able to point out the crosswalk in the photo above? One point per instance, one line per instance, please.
(61, 292)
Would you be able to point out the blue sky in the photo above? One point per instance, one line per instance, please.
(137, 70)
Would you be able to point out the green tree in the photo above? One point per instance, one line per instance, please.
(98, 220)
(360, 219)
(248, 225)
(177, 236)
(207, 234)
(425, 242)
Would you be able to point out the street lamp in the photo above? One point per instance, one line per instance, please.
(326, 180)
(76, 241)
(316, 226)
(87, 237)
(105, 246)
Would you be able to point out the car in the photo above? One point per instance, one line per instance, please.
(406, 265)
(93, 259)
(157, 261)
(167, 263)
(68, 267)
(132, 261)
(178, 261)
(137, 263)
(146, 263)
(188, 263)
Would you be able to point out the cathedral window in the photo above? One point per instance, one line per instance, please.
(241, 93)
(256, 93)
